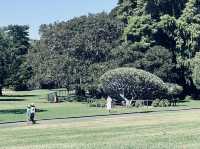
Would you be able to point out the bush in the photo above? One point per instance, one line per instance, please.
(47, 84)
(156, 102)
(164, 103)
(158, 60)
(161, 103)
(139, 103)
(74, 98)
(187, 98)
(132, 82)
(21, 87)
(80, 99)
(94, 91)
(97, 102)
(174, 89)
(79, 91)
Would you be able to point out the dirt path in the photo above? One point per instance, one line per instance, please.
(90, 118)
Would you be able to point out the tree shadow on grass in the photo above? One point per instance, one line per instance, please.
(19, 95)
(180, 105)
(11, 99)
(18, 111)
(183, 101)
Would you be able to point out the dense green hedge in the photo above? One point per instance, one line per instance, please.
(195, 68)
(133, 83)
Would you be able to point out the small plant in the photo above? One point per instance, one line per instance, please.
(188, 98)
(97, 102)
(139, 103)
(102, 102)
(164, 103)
(161, 103)
(156, 102)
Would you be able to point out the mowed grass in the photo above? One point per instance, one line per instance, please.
(13, 107)
(165, 130)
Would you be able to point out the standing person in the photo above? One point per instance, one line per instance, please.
(32, 113)
(109, 103)
(28, 113)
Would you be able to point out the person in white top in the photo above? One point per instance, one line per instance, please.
(28, 112)
(109, 103)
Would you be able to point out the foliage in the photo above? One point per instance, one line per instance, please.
(19, 69)
(174, 89)
(158, 60)
(139, 103)
(172, 24)
(14, 45)
(195, 68)
(132, 83)
(79, 91)
(164, 103)
(75, 52)
(139, 29)
(128, 54)
(156, 102)
(97, 102)
(164, 7)
(188, 98)
(158, 36)
(127, 8)
(95, 92)
(3, 61)
(161, 103)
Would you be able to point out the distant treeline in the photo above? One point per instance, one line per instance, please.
(161, 37)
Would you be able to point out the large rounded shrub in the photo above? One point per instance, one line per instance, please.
(133, 83)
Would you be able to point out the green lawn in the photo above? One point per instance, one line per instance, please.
(160, 130)
(174, 130)
(12, 107)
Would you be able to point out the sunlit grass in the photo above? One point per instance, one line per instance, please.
(175, 130)
(12, 107)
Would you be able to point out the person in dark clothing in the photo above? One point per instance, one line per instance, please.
(32, 113)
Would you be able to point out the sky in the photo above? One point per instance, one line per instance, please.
(37, 12)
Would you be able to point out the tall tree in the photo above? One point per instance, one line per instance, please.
(19, 70)
(3, 60)
(173, 24)
(76, 46)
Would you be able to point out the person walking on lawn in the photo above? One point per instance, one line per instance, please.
(28, 113)
(32, 113)
(109, 103)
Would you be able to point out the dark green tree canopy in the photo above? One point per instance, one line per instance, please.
(172, 24)
(3, 60)
(158, 36)
(14, 45)
(76, 51)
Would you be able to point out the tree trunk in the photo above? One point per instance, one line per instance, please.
(128, 103)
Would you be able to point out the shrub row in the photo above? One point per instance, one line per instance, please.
(97, 102)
